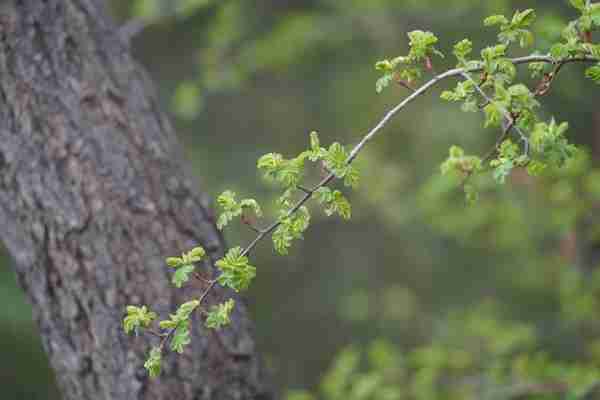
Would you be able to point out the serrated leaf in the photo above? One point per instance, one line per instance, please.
(219, 315)
(335, 202)
(153, 362)
(181, 337)
(593, 73)
(460, 164)
(186, 309)
(287, 172)
(384, 82)
(253, 205)
(316, 152)
(421, 45)
(137, 317)
(493, 115)
(495, 20)
(182, 275)
(291, 227)
(236, 272)
(462, 49)
(523, 19)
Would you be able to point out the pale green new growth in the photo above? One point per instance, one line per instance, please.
(292, 227)
(137, 317)
(184, 265)
(335, 161)
(459, 163)
(236, 272)
(232, 208)
(181, 337)
(487, 84)
(335, 202)
(219, 315)
(153, 363)
(513, 30)
(508, 158)
(421, 49)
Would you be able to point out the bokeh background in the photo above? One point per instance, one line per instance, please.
(416, 266)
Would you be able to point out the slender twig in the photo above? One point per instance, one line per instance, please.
(303, 189)
(416, 93)
(507, 114)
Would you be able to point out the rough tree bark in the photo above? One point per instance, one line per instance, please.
(93, 196)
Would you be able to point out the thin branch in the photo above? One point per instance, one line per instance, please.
(507, 114)
(308, 193)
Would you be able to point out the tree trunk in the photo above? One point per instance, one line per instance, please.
(93, 196)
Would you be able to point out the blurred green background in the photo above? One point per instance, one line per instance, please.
(416, 267)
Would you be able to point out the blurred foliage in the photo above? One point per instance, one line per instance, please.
(434, 297)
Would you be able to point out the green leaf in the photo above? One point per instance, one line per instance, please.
(219, 315)
(335, 202)
(236, 272)
(502, 170)
(196, 254)
(493, 115)
(336, 161)
(595, 14)
(316, 152)
(384, 65)
(182, 275)
(578, 4)
(459, 164)
(593, 73)
(174, 262)
(181, 315)
(251, 204)
(384, 82)
(181, 337)
(508, 158)
(291, 227)
(229, 206)
(137, 317)
(231, 209)
(549, 144)
(495, 20)
(523, 19)
(463, 91)
(462, 49)
(536, 69)
(421, 45)
(288, 172)
(559, 51)
(526, 38)
(153, 363)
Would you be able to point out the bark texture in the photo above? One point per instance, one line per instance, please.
(93, 196)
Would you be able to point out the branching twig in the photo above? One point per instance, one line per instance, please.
(507, 114)
(416, 93)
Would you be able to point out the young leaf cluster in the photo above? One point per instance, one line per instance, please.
(524, 141)
(219, 315)
(236, 272)
(230, 208)
(137, 317)
(184, 265)
(409, 68)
